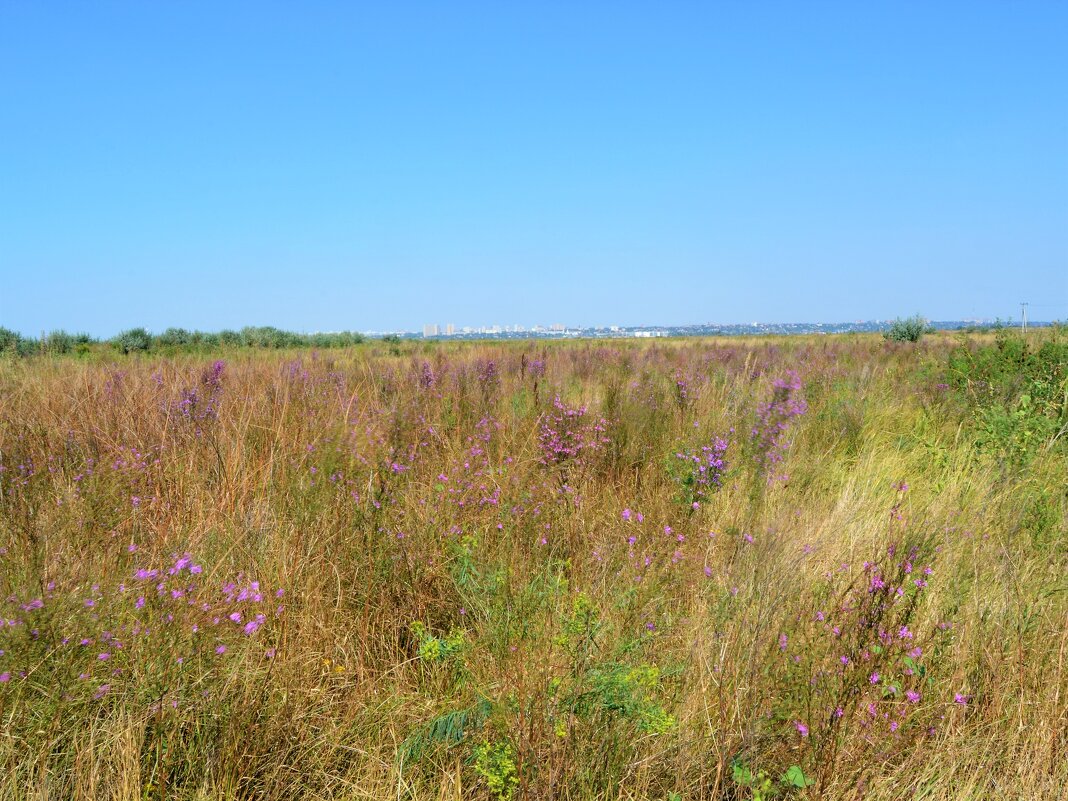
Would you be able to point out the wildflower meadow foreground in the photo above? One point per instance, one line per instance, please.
(812, 567)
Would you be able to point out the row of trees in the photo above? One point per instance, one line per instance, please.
(140, 340)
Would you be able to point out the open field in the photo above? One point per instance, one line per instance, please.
(813, 567)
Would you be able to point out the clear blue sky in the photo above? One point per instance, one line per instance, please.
(322, 166)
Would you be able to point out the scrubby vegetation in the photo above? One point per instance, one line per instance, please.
(173, 341)
(712, 569)
(911, 329)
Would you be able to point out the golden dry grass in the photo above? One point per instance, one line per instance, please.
(544, 631)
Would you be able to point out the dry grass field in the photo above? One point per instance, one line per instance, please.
(812, 567)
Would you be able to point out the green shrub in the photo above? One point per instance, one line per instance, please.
(267, 336)
(135, 339)
(8, 339)
(911, 329)
(174, 336)
(13, 342)
(27, 347)
(59, 342)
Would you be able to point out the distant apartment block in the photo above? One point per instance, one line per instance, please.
(431, 330)
(450, 329)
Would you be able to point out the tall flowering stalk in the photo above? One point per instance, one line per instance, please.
(701, 471)
(201, 402)
(427, 379)
(567, 435)
(773, 422)
(856, 662)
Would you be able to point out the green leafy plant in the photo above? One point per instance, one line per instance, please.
(1018, 394)
(581, 627)
(630, 692)
(758, 784)
(437, 649)
(495, 763)
(795, 777)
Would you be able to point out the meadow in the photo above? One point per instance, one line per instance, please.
(811, 567)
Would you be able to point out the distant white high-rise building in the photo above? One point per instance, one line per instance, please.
(450, 329)
(431, 330)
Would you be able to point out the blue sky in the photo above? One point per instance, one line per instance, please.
(324, 166)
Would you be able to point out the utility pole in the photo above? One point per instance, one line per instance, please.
(1023, 316)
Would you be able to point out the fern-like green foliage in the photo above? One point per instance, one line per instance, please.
(446, 730)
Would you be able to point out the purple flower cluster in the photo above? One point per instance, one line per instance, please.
(773, 422)
(486, 372)
(116, 636)
(201, 402)
(682, 390)
(567, 434)
(861, 659)
(701, 472)
(427, 379)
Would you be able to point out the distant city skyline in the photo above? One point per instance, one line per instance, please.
(450, 330)
(1038, 314)
(436, 331)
